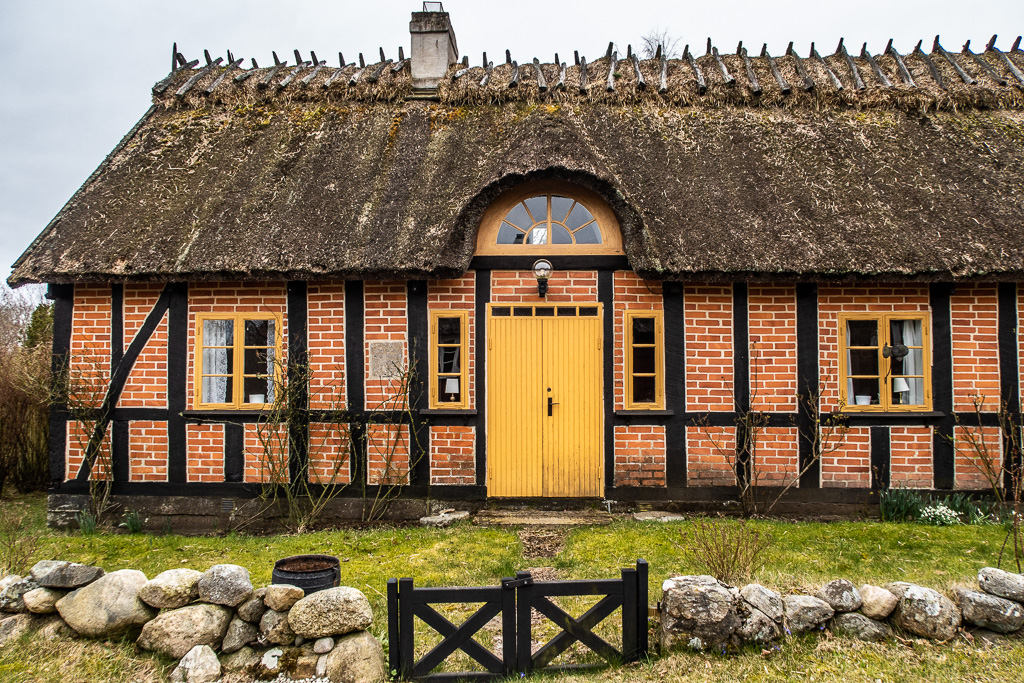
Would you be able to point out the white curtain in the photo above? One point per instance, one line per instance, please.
(908, 333)
(216, 333)
(271, 359)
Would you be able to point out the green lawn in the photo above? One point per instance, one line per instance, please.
(804, 556)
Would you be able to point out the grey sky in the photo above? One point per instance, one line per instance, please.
(76, 74)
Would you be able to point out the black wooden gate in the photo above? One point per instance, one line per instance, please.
(514, 600)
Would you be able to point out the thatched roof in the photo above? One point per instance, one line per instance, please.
(254, 179)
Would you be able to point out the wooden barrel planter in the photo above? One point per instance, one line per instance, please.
(311, 573)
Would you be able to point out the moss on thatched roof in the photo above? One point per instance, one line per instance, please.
(355, 180)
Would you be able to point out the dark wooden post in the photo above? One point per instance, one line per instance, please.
(394, 663)
(524, 635)
(642, 571)
(629, 615)
(508, 628)
(406, 646)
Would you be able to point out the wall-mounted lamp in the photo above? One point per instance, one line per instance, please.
(542, 271)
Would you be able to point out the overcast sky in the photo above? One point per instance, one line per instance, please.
(76, 74)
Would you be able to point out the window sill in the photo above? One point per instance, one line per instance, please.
(240, 412)
(896, 414)
(645, 413)
(448, 411)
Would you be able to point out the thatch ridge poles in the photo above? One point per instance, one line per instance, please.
(726, 76)
(801, 68)
(1005, 60)
(755, 85)
(640, 82)
(240, 78)
(613, 62)
(560, 85)
(779, 78)
(312, 74)
(702, 87)
(663, 71)
(964, 76)
(358, 72)
(858, 82)
(199, 74)
(220, 79)
(278, 65)
(488, 68)
(514, 82)
(460, 73)
(900, 66)
(542, 84)
(292, 74)
(836, 83)
(879, 74)
(177, 64)
(375, 76)
(986, 67)
(583, 75)
(337, 74)
(934, 70)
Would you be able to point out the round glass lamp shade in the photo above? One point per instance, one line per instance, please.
(542, 269)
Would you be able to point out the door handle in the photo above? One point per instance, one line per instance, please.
(551, 404)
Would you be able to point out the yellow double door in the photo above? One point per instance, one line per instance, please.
(544, 402)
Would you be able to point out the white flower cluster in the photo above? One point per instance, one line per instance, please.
(939, 515)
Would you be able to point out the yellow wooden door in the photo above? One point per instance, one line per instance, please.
(539, 356)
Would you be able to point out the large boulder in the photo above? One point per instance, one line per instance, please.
(12, 628)
(861, 627)
(67, 575)
(109, 606)
(806, 613)
(176, 632)
(331, 612)
(924, 612)
(356, 658)
(1001, 584)
(698, 612)
(276, 628)
(877, 602)
(225, 584)
(199, 665)
(841, 595)
(758, 627)
(281, 597)
(171, 589)
(990, 612)
(12, 591)
(239, 661)
(252, 609)
(43, 600)
(764, 600)
(239, 634)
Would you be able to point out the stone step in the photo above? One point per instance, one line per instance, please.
(542, 518)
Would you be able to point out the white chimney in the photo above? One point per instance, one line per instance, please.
(433, 45)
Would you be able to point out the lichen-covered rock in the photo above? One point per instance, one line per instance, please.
(758, 627)
(272, 662)
(841, 595)
(924, 612)
(225, 584)
(698, 612)
(859, 626)
(176, 632)
(990, 612)
(43, 600)
(14, 627)
(66, 575)
(806, 612)
(1002, 584)
(356, 658)
(331, 612)
(276, 628)
(239, 634)
(242, 660)
(199, 665)
(171, 589)
(876, 602)
(109, 606)
(764, 600)
(252, 609)
(12, 591)
(281, 597)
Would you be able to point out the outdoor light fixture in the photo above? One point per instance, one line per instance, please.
(542, 271)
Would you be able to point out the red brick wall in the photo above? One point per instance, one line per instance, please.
(233, 297)
(772, 331)
(387, 454)
(453, 455)
(911, 457)
(970, 464)
(975, 322)
(147, 383)
(457, 295)
(330, 454)
(385, 320)
(633, 294)
(326, 345)
(520, 287)
(776, 462)
(205, 445)
(147, 450)
(639, 455)
(266, 453)
(90, 345)
(709, 348)
(78, 434)
(710, 456)
(849, 465)
(836, 299)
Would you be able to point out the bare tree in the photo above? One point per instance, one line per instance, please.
(662, 37)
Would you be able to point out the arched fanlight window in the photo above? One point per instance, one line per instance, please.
(549, 217)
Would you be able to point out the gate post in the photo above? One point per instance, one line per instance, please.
(393, 638)
(524, 630)
(508, 627)
(630, 622)
(642, 571)
(406, 648)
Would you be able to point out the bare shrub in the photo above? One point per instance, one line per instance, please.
(18, 541)
(729, 550)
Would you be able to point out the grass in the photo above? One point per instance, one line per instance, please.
(805, 556)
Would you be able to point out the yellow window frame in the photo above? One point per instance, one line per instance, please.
(659, 359)
(238, 358)
(436, 376)
(884, 337)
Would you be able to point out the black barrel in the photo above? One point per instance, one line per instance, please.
(311, 573)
